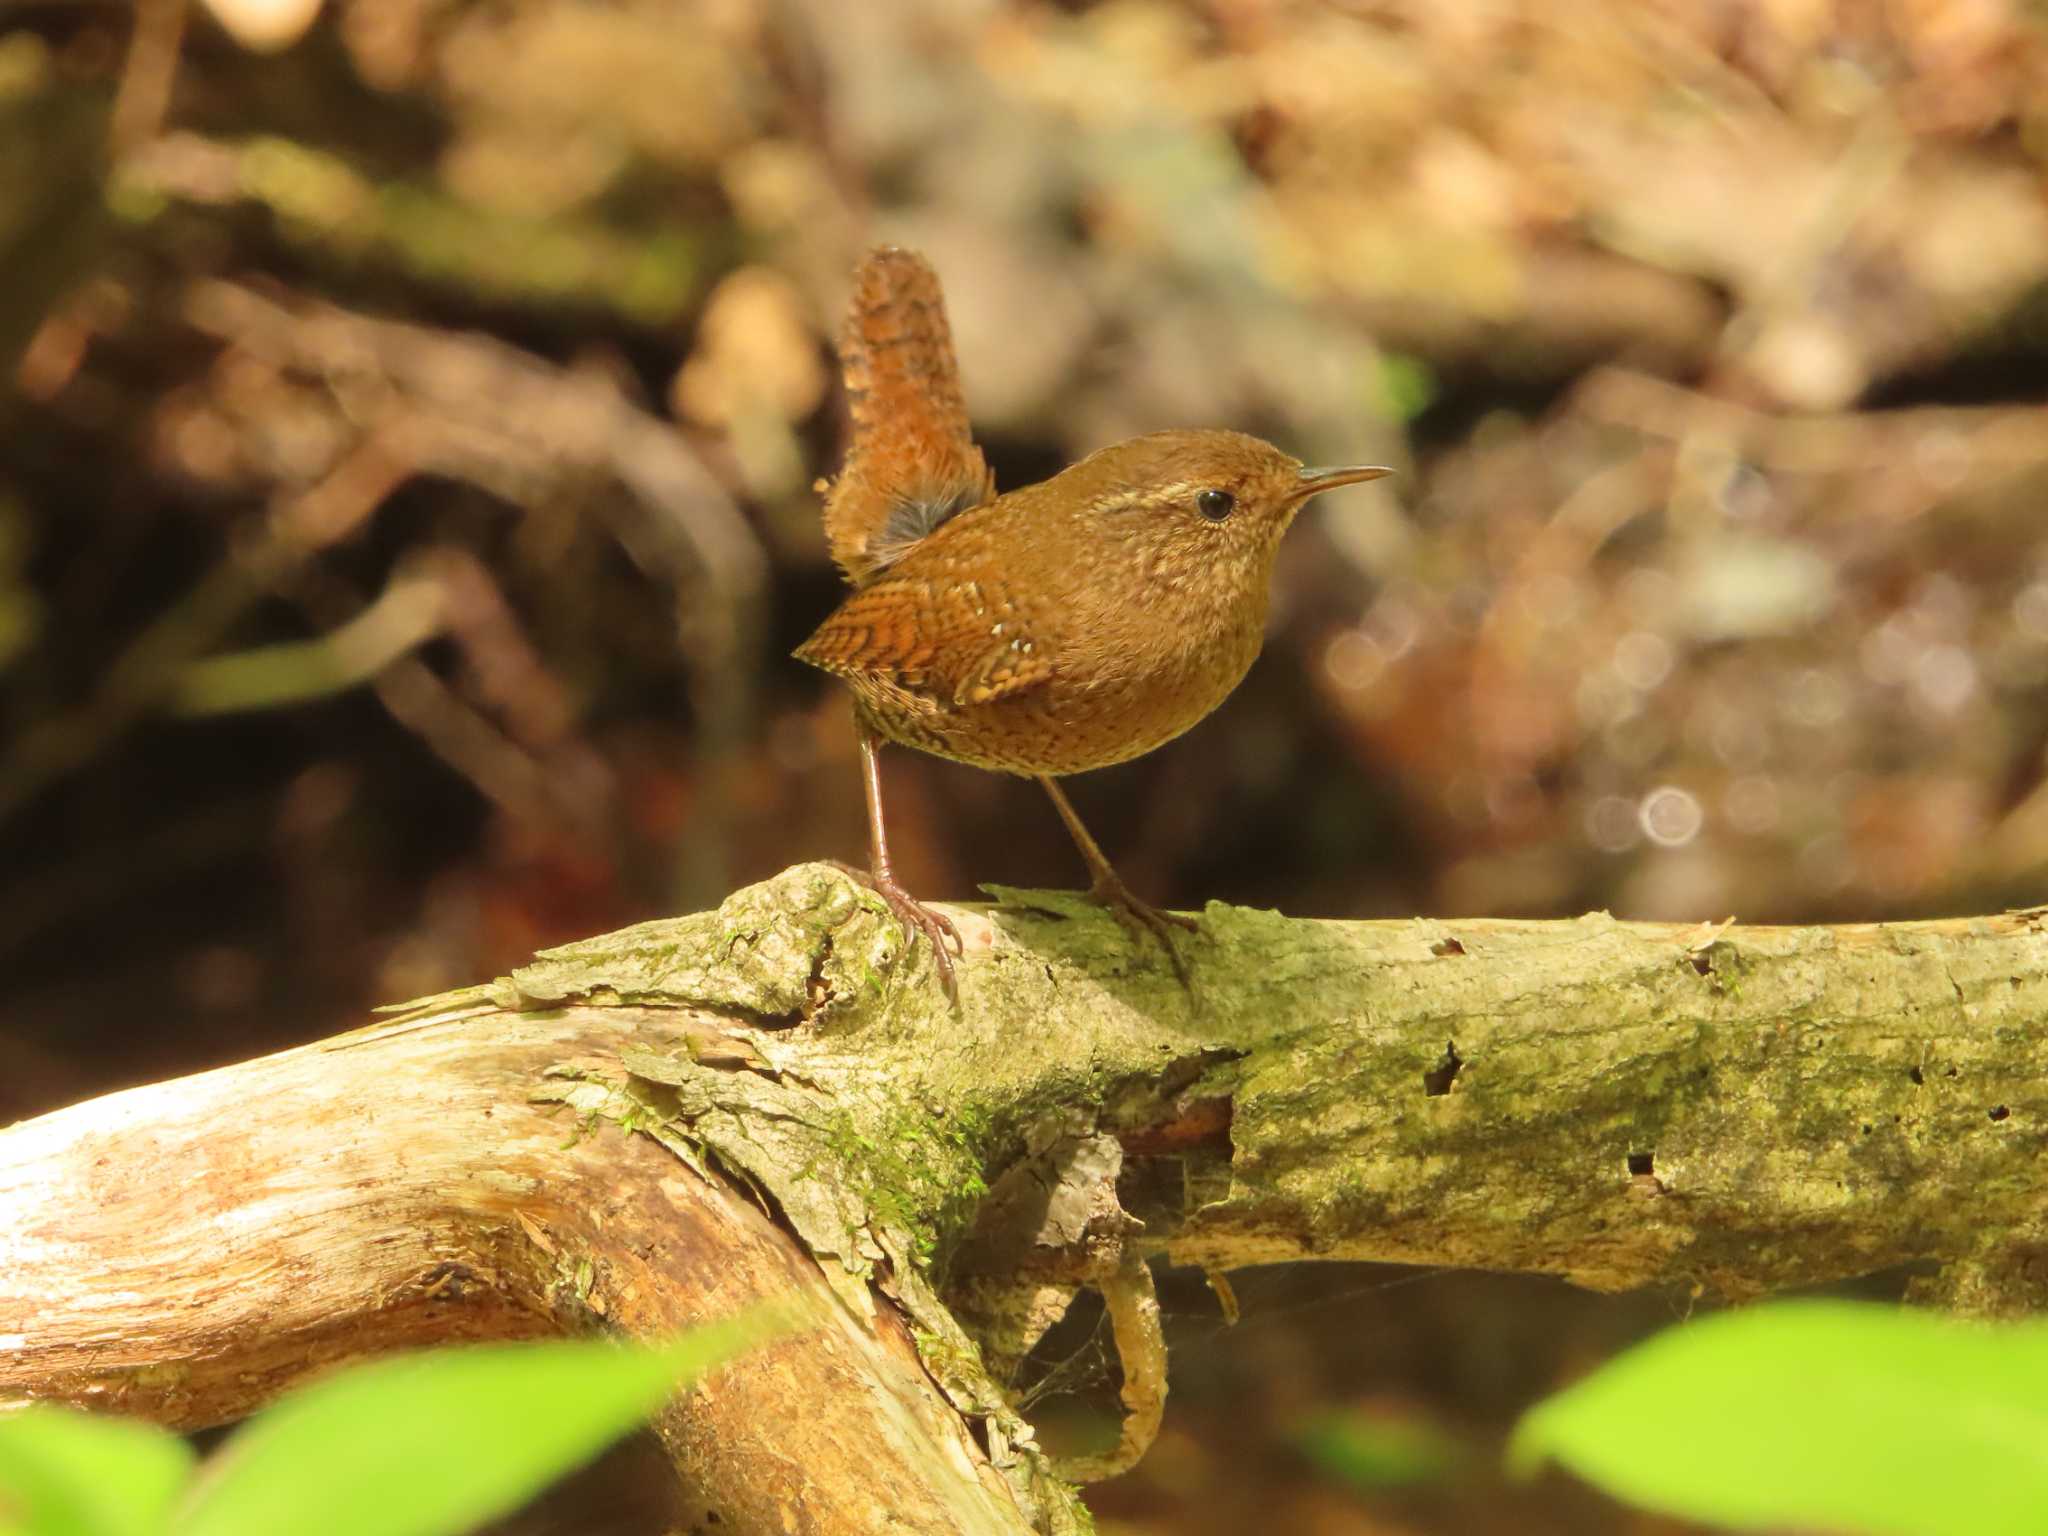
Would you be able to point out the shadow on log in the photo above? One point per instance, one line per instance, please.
(663, 1125)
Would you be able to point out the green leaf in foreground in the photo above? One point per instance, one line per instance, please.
(1829, 1415)
(66, 1473)
(437, 1443)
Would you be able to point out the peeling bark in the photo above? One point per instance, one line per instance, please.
(662, 1124)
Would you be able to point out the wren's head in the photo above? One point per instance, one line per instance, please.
(1201, 505)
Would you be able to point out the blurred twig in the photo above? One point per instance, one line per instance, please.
(1991, 437)
(534, 769)
(477, 410)
(300, 525)
(484, 412)
(410, 612)
(152, 68)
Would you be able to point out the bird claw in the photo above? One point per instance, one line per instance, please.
(1142, 917)
(916, 918)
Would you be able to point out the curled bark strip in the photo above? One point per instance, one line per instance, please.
(1133, 1303)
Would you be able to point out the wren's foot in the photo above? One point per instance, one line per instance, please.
(916, 918)
(1143, 918)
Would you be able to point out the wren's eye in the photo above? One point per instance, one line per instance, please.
(1216, 505)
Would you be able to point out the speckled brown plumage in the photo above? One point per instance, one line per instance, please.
(1075, 623)
(1066, 626)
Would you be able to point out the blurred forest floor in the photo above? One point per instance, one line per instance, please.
(409, 412)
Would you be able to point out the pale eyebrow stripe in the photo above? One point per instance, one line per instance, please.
(1130, 499)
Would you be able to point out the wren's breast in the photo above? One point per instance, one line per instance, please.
(1102, 708)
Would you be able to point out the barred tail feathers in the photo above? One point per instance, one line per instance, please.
(911, 462)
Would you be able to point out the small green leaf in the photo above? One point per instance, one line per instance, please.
(1407, 385)
(1372, 1452)
(66, 1473)
(437, 1443)
(1830, 1415)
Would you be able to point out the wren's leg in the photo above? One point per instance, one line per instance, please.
(1109, 888)
(913, 914)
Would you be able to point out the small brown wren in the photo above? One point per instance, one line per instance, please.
(1069, 625)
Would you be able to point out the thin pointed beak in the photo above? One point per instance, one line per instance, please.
(1314, 481)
